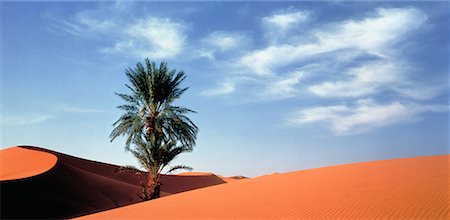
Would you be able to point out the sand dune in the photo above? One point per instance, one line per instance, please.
(195, 174)
(39, 183)
(18, 163)
(224, 179)
(233, 178)
(413, 188)
(181, 183)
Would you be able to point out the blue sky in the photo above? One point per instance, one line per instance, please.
(278, 86)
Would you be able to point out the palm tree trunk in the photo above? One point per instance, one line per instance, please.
(153, 186)
(149, 126)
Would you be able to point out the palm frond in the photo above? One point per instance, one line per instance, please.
(180, 167)
(128, 168)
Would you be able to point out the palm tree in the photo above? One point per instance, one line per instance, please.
(156, 130)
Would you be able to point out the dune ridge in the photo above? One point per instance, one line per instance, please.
(412, 188)
(73, 186)
(15, 163)
(230, 179)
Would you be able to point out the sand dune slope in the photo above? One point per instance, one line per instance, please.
(18, 163)
(39, 183)
(181, 183)
(413, 188)
(233, 178)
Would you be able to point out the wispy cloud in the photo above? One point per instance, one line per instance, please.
(153, 37)
(284, 87)
(365, 116)
(285, 19)
(356, 60)
(278, 25)
(363, 80)
(223, 88)
(373, 35)
(361, 56)
(82, 24)
(74, 109)
(422, 92)
(53, 113)
(94, 24)
(364, 66)
(26, 120)
(222, 42)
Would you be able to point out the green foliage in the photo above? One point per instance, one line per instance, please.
(128, 168)
(156, 131)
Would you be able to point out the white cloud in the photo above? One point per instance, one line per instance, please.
(73, 109)
(364, 80)
(352, 58)
(209, 54)
(153, 37)
(285, 19)
(262, 62)
(345, 60)
(87, 21)
(57, 25)
(373, 35)
(229, 85)
(223, 88)
(423, 92)
(219, 43)
(357, 57)
(28, 120)
(95, 24)
(336, 47)
(317, 114)
(82, 24)
(365, 116)
(284, 87)
(224, 41)
(281, 24)
(39, 118)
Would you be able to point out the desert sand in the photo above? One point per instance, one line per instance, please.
(233, 178)
(39, 183)
(18, 163)
(412, 188)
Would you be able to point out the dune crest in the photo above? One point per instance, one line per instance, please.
(229, 179)
(195, 174)
(19, 163)
(412, 188)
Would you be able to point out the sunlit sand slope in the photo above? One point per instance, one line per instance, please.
(18, 163)
(413, 188)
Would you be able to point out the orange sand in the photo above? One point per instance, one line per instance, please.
(195, 174)
(233, 178)
(18, 163)
(225, 179)
(413, 188)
